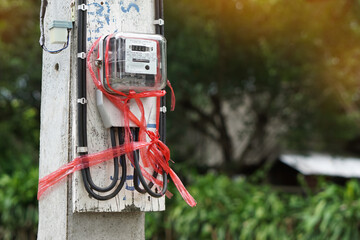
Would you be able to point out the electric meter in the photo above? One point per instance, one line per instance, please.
(131, 61)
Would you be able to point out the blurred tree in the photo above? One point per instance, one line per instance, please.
(20, 75)
(287, 71)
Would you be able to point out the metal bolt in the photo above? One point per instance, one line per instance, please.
(98, 63)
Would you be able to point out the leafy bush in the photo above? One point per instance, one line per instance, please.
(237, 209)
(18, 204)
(333, 213)
(227, 209)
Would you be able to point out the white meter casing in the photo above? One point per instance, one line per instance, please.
(135, 62)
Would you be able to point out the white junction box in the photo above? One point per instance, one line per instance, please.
(59, 31)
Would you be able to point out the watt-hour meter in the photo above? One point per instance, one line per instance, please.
(131, 61)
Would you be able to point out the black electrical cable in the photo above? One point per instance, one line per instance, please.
(81, 82)
(90, 186)
(135, 175)
(116, 170)
(159, 29)
(81, 78)
(107, 197)
(121, 136)
(139, 176)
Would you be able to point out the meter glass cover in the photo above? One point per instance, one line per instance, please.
(136, 62)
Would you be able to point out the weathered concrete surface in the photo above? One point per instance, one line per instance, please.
(54, 129)
(110, 226)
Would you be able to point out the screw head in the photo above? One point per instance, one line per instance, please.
(98, 63)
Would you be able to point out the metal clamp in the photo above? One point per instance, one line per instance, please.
(81, 149)
(163, 109)
(159, 22)
(81, 55)
(98, 63)
(72, 6)
(83, 7)
(82, 101)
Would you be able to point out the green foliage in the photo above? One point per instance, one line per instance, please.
(20, 74)
(333, 213)
(238, 209)
(18, 204)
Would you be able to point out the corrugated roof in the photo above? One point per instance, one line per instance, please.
(322, 164)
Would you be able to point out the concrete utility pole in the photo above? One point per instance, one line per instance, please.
(65, 210)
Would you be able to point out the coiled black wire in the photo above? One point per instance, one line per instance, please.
(139, 176)
(88, 182)
(116, 170)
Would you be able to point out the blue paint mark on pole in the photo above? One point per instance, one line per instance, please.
(97, 30)
(107, 18)
(131, 5)
(108, 7)
(107, 15)
(100, 11)
(127, 187)
(128, 177)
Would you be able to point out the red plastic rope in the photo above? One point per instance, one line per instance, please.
(173, 99)
(154, 153)
(85, 161)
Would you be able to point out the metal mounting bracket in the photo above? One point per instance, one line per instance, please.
(82, 101)
(159, 22)
(81, 55)
(83, 7)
